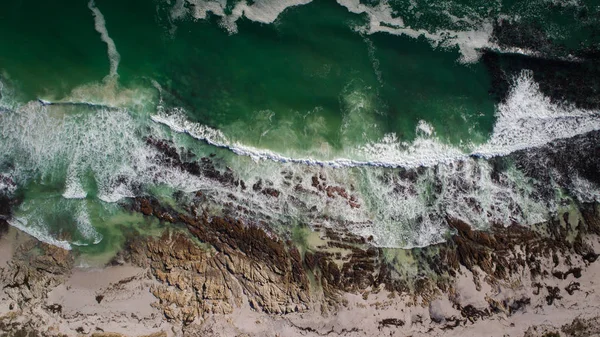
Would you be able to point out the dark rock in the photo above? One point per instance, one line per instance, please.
(582, 327)
(3, 227)
(590, 257)
(519, 304)
(453, 322)
(390, 322)
(271, 192)
(472, 314)
(205, 167)
(553, 294)
(54, 308)
(572, 287)
(566, 158)
(575, 271)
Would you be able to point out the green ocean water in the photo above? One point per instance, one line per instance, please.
(284, 87)
(316, 84)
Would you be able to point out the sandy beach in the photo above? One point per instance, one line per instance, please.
(119, 301)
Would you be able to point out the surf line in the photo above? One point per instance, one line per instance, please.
(39, 234)
(485, 151)
(259, 154)
(100, 25)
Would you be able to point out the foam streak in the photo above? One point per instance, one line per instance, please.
(100, 25)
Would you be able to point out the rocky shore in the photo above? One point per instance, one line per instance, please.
(217, 275)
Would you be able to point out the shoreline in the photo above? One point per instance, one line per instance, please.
(382, 169)
(153, 291)
(206, 274)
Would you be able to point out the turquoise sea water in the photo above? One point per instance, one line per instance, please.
(353, 91)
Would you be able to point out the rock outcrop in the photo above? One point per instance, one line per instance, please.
(34, 270)
(240, 262)
(209, 265)
(7, 202)
(243, 262)
(236, 262)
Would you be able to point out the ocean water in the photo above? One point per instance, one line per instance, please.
(381, 118)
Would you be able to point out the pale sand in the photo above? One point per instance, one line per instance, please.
(124, 308)
(361, 318)
(7, 246)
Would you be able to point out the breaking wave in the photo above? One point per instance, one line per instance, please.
(405, 191)
(400, 196)
(93, 145)
(470, 29)
(526, 119)
(39, 232)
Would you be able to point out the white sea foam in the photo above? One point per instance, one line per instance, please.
(410, 210)
(112, 193)
(87, 132)
(58, 141)
(469, 33)
(200, 8)
(395, 211)
(584, 190)
(527, 119)
(40, 140)
(381, 17)
(6, 188)
(38, 232)
(100, 26)
(73, 188)
(263, 11)
(85, 227)
(386, 153)
(178, 123)
(405, 213)
(7, 183)
(399, 209)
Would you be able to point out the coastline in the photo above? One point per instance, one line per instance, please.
(214, 275)
(381, 169)
(155, 292)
